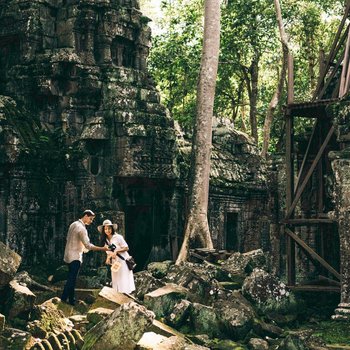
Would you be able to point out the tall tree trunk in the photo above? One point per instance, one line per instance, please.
(251, 78)
(244, 126)
(253, 98)
(277, 95)
(197, 229)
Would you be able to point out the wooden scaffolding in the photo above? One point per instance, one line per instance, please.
(311, 166)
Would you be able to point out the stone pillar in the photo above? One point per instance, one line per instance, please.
(341, 169)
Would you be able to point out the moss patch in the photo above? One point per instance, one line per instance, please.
(332, 332)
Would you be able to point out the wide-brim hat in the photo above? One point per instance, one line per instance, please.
(107, 223)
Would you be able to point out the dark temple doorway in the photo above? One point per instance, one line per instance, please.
(139, 232)
(146, 204)
(232, 241)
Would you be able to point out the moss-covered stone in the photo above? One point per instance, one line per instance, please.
(121, 330)
(48, 318)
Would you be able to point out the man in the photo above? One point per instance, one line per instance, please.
(78, 242)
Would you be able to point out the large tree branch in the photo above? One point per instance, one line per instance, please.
(278, 92)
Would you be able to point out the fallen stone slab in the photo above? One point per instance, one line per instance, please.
(163, 300)
(204, 320)
(122, 330)
(244, 263)
(114, 296)
(235, 315)
(9, 263)
(163, 329)
(201, 280)
(179, 314)
(24, 279)
(154, 341)
(262, 287)
(150, 341)
(94, 316)
(101, 302)
(20, 301)
(178, 343)
(146, 283)
(109, 298)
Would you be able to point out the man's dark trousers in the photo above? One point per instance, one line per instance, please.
(68, 291)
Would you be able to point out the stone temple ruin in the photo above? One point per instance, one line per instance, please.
(82, 126)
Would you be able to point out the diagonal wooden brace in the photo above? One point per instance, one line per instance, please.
(309, 173)
(314, 255)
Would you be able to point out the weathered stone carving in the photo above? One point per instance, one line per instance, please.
(80, 67)
(83, 126)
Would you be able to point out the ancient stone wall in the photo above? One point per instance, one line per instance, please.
(238, 199)
(340, 160)
(83, 127)
(78, 68)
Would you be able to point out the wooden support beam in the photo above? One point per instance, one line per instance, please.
(306, 155)
(307, 222)
(313, 254)
(320, 178)
(334, 50)
(309, 173)
(289, 160)
(345, 69)
(320, 193)
(329, 280)
(331, 76)
(290, 261)
(312, 288)
(289, 195)
(290, 94)
(335, 93)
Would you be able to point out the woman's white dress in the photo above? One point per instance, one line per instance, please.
(123, 279)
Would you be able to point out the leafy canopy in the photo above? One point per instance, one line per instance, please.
(249, 35)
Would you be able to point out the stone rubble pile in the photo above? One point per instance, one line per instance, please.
(191, 306)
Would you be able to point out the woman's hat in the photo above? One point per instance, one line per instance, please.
(107, 223)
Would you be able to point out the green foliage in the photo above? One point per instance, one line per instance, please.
(175, 58)
(249, 36)
(333, 332)
(283, 306)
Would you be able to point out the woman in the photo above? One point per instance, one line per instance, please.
(123, 278)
